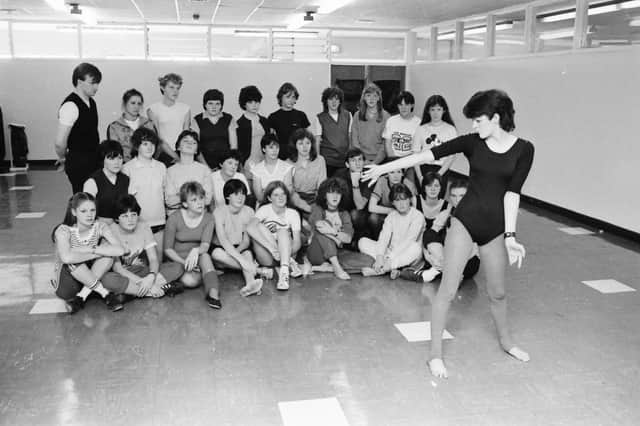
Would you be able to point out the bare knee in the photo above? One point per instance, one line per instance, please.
(191, 279)
(497, 295)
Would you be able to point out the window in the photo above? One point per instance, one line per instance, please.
(300, 46)
(475, 34)
(178, 42)
(446, 42)
(5, 51)
(555, 27)
(113, 42)
(422, 47)
(510, 34)
(45, 40)
(613, 24)
(239, 44)
(367, 46)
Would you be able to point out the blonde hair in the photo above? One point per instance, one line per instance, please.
(362, 112)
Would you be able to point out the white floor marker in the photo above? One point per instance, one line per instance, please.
(48, 306)
(31, 215)
(576, 231)
(312, 412)
(419, 331)
(609, 286)
(21, 188)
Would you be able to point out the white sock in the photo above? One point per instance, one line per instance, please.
(84, 293)
(100, 289)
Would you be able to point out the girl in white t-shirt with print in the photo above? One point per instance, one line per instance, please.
(436, 128)
(275, 233)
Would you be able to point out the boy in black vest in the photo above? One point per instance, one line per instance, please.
(77, 137)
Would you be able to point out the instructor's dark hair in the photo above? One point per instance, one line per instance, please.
(489, 102)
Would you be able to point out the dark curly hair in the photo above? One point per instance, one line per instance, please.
(335, 185)
(249, 94)
(297, 135)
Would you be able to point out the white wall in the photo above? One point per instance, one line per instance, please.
(31, 90)
(582, 112)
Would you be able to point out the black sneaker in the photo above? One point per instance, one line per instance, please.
(411, 274)
(113, 302)
(213, 302)
(173, 288)
(75, 304)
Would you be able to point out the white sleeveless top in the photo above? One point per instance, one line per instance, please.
(170, 120)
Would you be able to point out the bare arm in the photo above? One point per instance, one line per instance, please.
(233, 136)
(224, 240)
(373, 172)
(60, 145)
(257, 188)
(375, 207)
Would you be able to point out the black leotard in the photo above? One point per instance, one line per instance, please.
(491, 175)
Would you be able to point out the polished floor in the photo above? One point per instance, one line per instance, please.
(325, 353)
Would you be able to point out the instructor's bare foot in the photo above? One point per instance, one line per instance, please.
(437, 368)
(518, 354)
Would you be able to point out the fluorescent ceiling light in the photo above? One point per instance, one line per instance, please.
(474, 42)
(552, 35)
(250, 33)
(57, 5)
(593, 10)
(630, 4)
(289, 34)
(450, 35)
(330, 6)
(185, 29)
(635, 22)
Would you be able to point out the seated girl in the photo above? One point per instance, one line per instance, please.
(187, 239)
(147, 179)
(399, 242)
(229, 162)
(140, 264)
(332, 227)
(381, 203)
(275, 232)
(108, 183)
(85, 249)
(187, 169)
(433, 242)
(231, 240)
(430, 203)
(270, 169)
(309, 170)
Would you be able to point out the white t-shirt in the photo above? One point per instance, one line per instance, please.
(170, 120)
(429, 136)
(290, 219)
(68, 113)
(260, 171)
(146, 183)
(218, 185)
(400, 132)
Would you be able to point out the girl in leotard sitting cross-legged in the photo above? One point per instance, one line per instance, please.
(499, 164)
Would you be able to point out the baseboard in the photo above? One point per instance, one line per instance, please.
(579, 217)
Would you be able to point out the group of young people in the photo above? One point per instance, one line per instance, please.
(168, 201)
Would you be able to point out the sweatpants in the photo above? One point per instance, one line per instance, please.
(322, 248)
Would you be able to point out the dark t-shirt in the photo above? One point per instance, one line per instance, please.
(284, 123)
(365, 189)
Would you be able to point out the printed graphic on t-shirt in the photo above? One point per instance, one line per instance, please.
(274, 225)
(401, 143)
(433, 141)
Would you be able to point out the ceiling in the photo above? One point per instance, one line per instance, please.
(401, 14)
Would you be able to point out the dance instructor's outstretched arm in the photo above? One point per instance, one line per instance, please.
(499, 165)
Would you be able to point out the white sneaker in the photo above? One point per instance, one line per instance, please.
(295, 269)
(430, 274)
(283, 281)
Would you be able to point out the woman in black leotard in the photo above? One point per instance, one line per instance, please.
(499, 164)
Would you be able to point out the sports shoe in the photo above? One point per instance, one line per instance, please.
(113, 302)
(283, 281)
(173, 288)
(213, 302)
(295, 269)
(74, 305)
